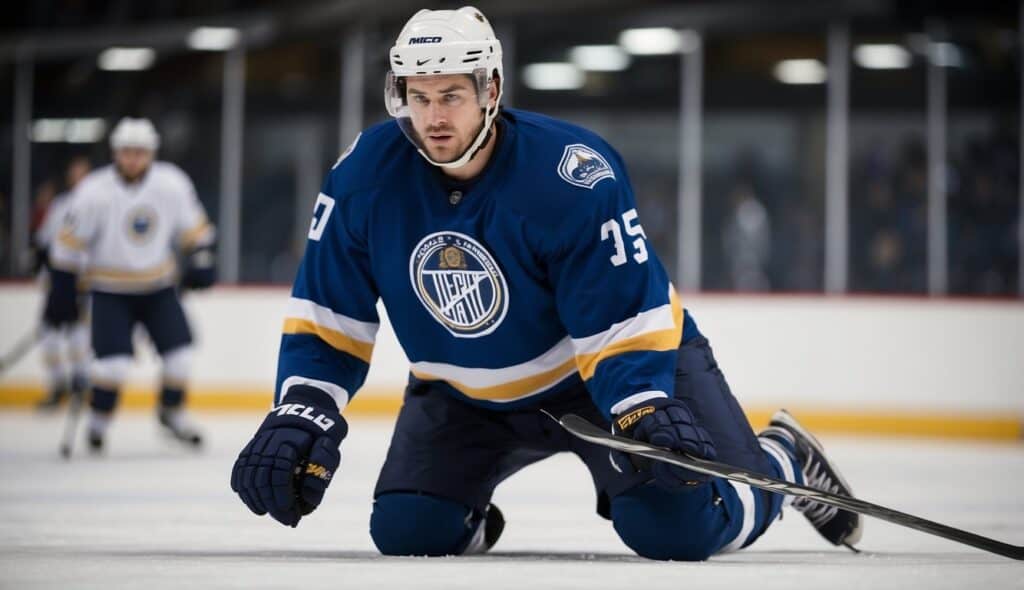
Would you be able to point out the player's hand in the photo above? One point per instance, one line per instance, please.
(196, 280)
(669, 423)
(200, 269)
(40, 259)
(286, 467)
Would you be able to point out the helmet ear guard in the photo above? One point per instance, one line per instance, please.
(394, 94)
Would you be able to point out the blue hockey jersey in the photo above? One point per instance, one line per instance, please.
(518, 285)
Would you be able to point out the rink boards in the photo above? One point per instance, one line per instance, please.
(899, 365)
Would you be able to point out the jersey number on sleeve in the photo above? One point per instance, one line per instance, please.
(321, 212)
(612, 229)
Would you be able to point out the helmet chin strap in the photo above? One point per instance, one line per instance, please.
(478, 143)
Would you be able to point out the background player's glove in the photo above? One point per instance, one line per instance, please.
(40, 258)
(62, 300)
(200, 269)
(665, 422)
(291, 459)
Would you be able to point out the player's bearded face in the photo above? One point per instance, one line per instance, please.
(444, 113)
(132, 162)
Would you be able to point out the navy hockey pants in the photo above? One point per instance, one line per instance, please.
(114, 317)
(447, 457)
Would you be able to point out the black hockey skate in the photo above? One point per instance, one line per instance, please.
(839, 527)
(179, 427)
(53, 399)
(95, 440)
(487, 536)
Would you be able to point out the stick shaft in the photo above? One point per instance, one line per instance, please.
(20, 349)
(67, 439)
(583, 429)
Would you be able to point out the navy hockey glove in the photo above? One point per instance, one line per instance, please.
(40, 258)
(200, 269)
(62, 300)
(665, 422)
(291, 459)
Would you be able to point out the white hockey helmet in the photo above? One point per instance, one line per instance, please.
(136, 133)
(440, 42)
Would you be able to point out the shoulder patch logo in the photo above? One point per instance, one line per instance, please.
(583, 166)
(459, 283)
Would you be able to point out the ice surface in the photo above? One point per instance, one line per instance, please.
(152, 515)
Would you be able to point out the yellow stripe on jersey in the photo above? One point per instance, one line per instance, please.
(511, 390)
(357, 348)
(68, 239)
(133, 276)
(657, 340)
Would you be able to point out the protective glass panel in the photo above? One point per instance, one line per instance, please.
(888, 180)
(984, 157)
(763, 162)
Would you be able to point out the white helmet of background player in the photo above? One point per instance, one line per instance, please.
(440, 42)
(134, 133)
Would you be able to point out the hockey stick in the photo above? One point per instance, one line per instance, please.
(583, 429)
(21, 347)
(67, 439)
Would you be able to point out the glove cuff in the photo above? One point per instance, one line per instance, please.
(630, 417)
(311, 410)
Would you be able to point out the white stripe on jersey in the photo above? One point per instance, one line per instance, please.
(304, 309)
(652, 320)
(655, 330)
(505, 384)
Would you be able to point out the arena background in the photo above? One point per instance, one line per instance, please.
(834, 186)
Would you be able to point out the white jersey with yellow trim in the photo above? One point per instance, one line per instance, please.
(125, 237)
(533, 277)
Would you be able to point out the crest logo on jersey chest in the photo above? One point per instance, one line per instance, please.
(459, 283)
(583, 166)
(140, 223)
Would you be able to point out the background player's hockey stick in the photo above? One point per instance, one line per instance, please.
(67, 439)
(583, 429)
(20, 349)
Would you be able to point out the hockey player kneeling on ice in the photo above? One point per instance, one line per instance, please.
(509, 253)
(127, 225)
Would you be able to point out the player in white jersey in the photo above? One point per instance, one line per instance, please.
(128, 224)
(65, 350)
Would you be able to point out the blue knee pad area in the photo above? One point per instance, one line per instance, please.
(415, 524)
(685, 526)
